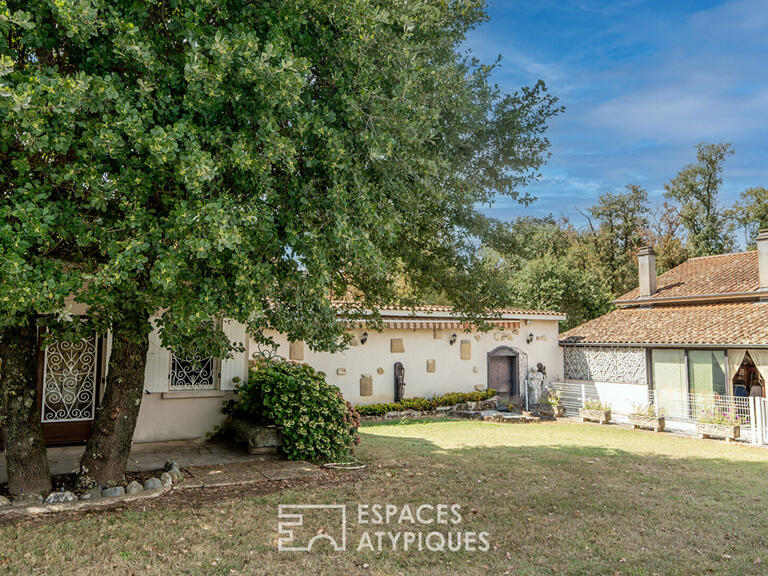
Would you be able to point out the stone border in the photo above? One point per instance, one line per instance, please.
(103, 502)
(95, 497)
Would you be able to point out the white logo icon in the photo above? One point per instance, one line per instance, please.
(291, 518)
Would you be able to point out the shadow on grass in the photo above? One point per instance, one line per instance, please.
(592, 509)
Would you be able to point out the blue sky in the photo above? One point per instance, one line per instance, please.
(643, 82)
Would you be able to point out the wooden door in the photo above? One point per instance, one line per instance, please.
(68, 382)
(501, 374)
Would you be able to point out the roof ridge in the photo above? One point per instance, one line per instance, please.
(715, 256)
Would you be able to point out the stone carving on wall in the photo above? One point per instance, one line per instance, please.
(605, 364)
(366, 385)
(296, 351)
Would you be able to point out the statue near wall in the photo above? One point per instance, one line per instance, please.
(536, 378)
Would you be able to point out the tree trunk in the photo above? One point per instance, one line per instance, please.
(25, 454)
(106, 453)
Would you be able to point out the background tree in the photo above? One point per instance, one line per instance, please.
(253, 160)
(696, 189)
(664, 235)
(751, 213)
(617, 229)
(544, 265)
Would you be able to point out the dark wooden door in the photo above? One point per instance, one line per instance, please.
(68, 382)
(501, 374)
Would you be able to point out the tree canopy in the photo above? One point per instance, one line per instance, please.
(695, 189)
(253, 159)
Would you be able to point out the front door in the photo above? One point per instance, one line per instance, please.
(68, 386)
(502, 374)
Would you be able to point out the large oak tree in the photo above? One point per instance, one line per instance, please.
(256, 160)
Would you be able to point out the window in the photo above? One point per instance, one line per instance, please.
(194, 373)
(706, 371)
(670, 382)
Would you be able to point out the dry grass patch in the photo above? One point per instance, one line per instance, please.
(560, 498)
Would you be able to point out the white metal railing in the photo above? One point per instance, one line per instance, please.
(695, 407)
(683, 409)
(574, 394)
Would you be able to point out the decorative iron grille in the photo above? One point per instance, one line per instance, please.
(69, 381)
(195, 373)
(605, 364)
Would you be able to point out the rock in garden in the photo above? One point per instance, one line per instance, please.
(153, 484)
(134, 488)
(166, 479)
(91, 494)
(113, 492)
(60, 497)
(27, 499)
(4, 501)
(173, 469)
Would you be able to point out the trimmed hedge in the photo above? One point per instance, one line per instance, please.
(424, 404)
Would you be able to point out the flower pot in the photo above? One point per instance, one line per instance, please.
(259, 438)
(654, 423)
(728, 431)
(553, 411)
(601, 416)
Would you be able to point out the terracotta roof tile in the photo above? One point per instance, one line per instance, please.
(707, 275)
(732, 324)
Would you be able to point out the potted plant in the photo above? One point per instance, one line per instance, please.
(595, 411)
(552, 403)
(646, 416)
(722, 422)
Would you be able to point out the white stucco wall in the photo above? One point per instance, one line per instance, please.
(452, 374)
(169, 415)
(191, 416)
(183, 415)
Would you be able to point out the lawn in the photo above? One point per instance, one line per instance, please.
(560, 498)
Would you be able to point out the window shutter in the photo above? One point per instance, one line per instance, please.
(157, 373)
(237, 365)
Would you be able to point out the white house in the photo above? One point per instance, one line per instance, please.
(437, 351)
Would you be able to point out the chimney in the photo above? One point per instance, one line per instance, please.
(646, 268)
(762, 258)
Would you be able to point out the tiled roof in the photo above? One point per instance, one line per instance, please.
(422, 311)
(732, 324)
(707, 275)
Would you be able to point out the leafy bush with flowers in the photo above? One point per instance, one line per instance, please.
(552, 397)
(648, 410)
(596, 405)
(315, 421)
(724, 416)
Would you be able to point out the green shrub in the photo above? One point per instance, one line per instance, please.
(424, 404)
(315, 421)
